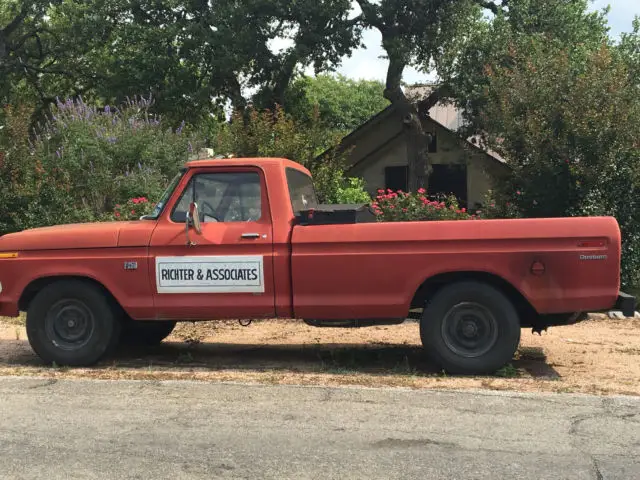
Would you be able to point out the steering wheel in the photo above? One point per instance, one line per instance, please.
(208, 206)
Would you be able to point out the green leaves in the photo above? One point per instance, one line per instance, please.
(342, 104)
(551, 93)
(83, 161)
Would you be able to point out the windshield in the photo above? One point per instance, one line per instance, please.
(301, 191)
(165, 196)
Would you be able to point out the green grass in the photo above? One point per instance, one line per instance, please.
(508, 371)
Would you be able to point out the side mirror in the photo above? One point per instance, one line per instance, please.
(194, 216)
(193, 219)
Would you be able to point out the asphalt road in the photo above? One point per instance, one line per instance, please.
(77, 429)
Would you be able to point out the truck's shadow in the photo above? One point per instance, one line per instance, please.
(344, 358)
(341, 358)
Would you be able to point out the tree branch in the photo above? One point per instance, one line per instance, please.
(44, 70)
(354, 21)
(15, 23)
(21, 41)
(278, 28)
(495, 8)
(438, 94)
(234, 91)
(40, 30)
(371, 16)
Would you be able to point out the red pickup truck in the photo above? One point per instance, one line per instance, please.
(246, 239)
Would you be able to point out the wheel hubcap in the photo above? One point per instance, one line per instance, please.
(69, 324)
(469, 329)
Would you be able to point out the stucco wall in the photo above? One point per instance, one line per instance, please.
(374, 139)
(481, 170)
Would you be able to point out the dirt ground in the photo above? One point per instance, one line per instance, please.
(599, 356)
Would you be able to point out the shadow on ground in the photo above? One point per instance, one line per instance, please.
(337, 358)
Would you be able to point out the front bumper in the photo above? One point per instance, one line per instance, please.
(626, 304)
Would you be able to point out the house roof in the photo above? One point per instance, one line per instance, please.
(447, 116)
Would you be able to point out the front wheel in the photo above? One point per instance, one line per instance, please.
(71, 322)
(470, 328)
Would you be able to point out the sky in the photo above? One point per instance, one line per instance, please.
(366, 63)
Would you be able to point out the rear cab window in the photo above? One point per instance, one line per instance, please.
(301, 190)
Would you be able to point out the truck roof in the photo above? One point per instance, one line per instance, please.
(247, 161)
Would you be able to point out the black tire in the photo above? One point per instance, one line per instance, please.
(470, 328)
(71, 322)
(146, 333)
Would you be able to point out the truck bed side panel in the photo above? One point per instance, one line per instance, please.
(374, 270)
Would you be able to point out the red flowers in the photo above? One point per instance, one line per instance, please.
(403, 206)
(133, 209)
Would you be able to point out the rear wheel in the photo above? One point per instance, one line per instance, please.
(71, 322)
(146, 332)
(470, 328)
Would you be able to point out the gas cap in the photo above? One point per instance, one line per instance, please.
(537, 267)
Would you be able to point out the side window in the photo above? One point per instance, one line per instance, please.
(301, 191)
(222, 197)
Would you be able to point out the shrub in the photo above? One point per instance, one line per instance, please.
(498, 208)
(84, 160)
(133, 209)
(568, 120)
(273, 133)
(112, 154)
(401, 206)
(31, 195)
(352, 191)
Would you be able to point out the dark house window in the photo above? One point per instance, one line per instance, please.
(396, 178)
(433, 144)
(449, 179)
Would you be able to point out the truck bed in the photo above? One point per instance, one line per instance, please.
(373, 270)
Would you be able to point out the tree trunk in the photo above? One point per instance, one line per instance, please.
(417, 138)
(417, 155)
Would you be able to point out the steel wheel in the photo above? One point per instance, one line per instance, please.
(69, 324)
(469, 329)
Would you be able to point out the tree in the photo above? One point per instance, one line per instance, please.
(43, 55)
(343, 104)
(568, 120)
(543, 85)
(25, 48)
(274, 133)
(629, 50)
(193, 57)
(440, 36)
(421, 33)
(196, 56)
(561, 23)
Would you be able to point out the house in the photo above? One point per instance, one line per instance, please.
(378, 154)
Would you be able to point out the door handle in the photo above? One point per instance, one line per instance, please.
(250, 235)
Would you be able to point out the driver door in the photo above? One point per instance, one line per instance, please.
(226, 271)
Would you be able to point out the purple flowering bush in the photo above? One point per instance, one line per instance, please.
(85, 160)
(113, 154)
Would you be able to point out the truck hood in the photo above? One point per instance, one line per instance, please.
(82, 235)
